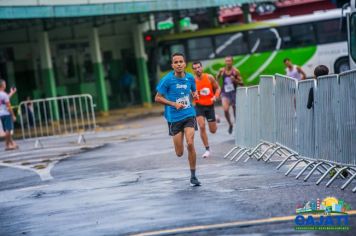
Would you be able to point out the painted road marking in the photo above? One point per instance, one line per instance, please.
(197, 228)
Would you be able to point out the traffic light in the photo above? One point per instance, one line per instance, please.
(148, 38)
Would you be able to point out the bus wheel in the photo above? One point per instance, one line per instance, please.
(341, 65)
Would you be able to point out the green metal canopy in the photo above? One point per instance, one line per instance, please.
(27, 9)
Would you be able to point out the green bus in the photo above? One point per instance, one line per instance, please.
(260, 47)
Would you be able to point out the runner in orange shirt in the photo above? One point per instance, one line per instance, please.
(208, 90)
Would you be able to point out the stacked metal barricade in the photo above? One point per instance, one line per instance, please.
(273, 121)
(57, 117)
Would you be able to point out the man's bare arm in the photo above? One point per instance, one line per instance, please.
(238, 77)
(160, 99)
(300, 70)
(219, 74)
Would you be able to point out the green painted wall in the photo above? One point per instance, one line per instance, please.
(144, 82)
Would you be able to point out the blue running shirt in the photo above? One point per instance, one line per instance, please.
(177, 90)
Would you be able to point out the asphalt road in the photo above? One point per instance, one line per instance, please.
(129, 181)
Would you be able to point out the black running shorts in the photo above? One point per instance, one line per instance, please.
(176, 127)
(206, 111)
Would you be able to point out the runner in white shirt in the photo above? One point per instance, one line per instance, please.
(294, 71)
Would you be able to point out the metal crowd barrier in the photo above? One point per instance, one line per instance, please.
(285, 107)
(305, 119)
(273, 118)
(57, 116)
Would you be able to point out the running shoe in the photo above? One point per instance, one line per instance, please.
(206, 154)
(194, 182)
(230, 129)
(217, 118)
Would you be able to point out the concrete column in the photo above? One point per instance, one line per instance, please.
(47, 74)
(11, 81)
(141, 59)
(97, 60)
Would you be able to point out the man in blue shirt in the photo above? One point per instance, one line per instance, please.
(174, 92)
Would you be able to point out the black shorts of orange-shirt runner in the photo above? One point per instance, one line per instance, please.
(176, 127)
(206, 111)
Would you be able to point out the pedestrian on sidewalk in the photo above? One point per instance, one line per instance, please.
(13, 90)
(209, 91)
(174, 91)
(231, 79)
(7, 116)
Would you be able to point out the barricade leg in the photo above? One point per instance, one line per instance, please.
(292, 168)
(229, 152)
(242, 154)
(325, 174)
(272, 153)
(249, 156)
(348, 181)
(263, 153)
(312, 171)
(335, 176)
(304, 169)
(285, 160)
(237, 153)
(257, 147)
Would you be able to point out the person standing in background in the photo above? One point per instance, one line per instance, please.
(7, 117)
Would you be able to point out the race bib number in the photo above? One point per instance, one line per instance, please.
(229, 88)
(204, 92)
(184, 101)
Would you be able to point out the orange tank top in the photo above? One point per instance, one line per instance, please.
(205, 90)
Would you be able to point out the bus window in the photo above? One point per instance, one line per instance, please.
(177, 48)
(165, 53)
(284, 33)
(262, 40)
(329, 31)
(352, 43)
(303, 34)
(164, 58)
(230, 44)
(200, 48)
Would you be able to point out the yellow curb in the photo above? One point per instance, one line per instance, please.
(226, 225)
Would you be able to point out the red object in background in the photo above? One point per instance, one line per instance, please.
(148, 38)
(283, 7)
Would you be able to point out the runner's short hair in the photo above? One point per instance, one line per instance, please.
(2, 82)
(197, 62)
(177, 54)
(286, 59)
(229, 57)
